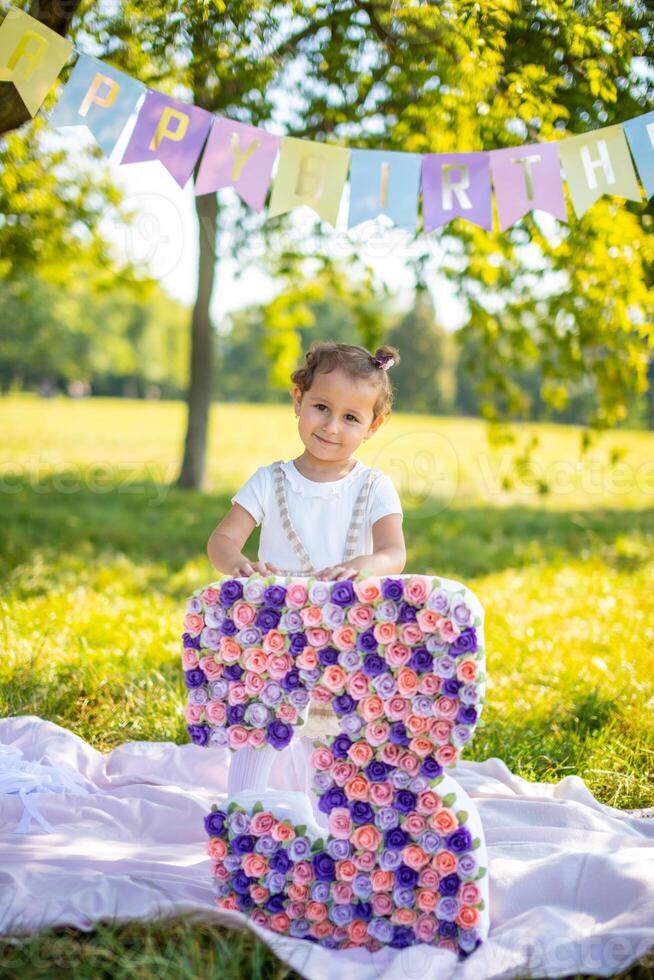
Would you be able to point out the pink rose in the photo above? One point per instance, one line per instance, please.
(384, 632)
(382, 793)
(211, 668)
(296, 595)
(446, 754)
(446, 708)
(342, 771)
(377, 732)
(215, 712)
(414, 824)
(382, 904)
(416, 589)
(360, 616)
(322, 758)
(390, 753)
(365, 860)
(440, 730)
(421, 745)
(382, 881)
(256, 738)
(261, 823)
(397, 654)
(357, 685)
(344, 637)
(321, 695)
(429, 684)
(425, 927)
(416, 724)
(229, 650)
(410, 763)
(210, 595)
(411, 634)
(189, 658)
(254, 683)
(256, 660)
(414, 856)
(243, 614)
(448, 630)
(295, 909)
(279, 665)
(427, 802)
(316, 912)
(429, 878)
(397, 708)
(238, 736)
(371, 707)
(237, 693)
(341, 892)
(193, 622)
(357, 788)
(311, 616)
(302, 873)
(193, 713)
(407, 682)
(334, 678)
(273, 642)
(470, 893)
(318, 636)
(287, 713)
(427, 620)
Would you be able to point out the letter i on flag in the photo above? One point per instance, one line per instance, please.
(384, 182)
(31, 56)
(100, 97)
(169, 131)
(598, 163)
(238, 156)
(640, 134)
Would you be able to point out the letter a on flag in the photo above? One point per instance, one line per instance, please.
(31, 56)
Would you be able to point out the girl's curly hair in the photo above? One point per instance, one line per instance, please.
(324, 356)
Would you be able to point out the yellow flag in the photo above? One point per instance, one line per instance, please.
(31, 56)
(309, 173)
(598, 163)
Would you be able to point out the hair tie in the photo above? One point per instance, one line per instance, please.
(383, 361)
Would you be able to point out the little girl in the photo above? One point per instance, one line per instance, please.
(323, 513)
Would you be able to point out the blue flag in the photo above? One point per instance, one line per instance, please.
(640, 136)
(384, 182)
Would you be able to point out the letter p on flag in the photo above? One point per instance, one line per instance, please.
(31, 56)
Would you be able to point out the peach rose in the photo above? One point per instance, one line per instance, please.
(416, 589)
(360, 753)
(311, 617)
(210, 595)
(227, 903)
(238, 736)
(466, 670)
(416, 724)
(382, 881)
(445, 755)
(261, 823)
(397, 654)
(308, 659)
(467, 917)
(280, 922)
(421, 745)
(444, 820)
(410, 633)
(279, 665)
(397, 708)
(429, 684)
(357, 788)
(259, 894)
(381, 794)
(344, 637)
(407, 682)
(318, 636)
(414, 856)
(357, 931)
(255, 866)
(316, 912)
(444, 862)
(322, 929)
(243, 614)
(403, 917)
(360, 616)
(229, 650)
(427, 620)
(283, 831)
(296, 594)
(340, 823)
(342, 771)
(193, 713)
(298, 893)
(256, 660)
(189, 658)
(426, 900)
(357, 685)
(345, 870)
(366, 837)
(216, 848)
(215, 712)
(211, 668)
(385, 632)
(368, 589)
(273, 642)
(193, 622)
(371, 707)
(334, 678)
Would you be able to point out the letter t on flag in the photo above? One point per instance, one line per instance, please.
(170, 131)
(31, 56)
(527, 178)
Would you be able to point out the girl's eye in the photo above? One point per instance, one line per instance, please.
(349, 415)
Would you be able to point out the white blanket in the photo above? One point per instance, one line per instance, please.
(120, 836)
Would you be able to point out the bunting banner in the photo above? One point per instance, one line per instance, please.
(185, 138)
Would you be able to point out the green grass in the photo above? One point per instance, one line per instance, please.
(98, 552)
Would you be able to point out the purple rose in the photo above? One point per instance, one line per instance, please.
(210, 638)
(343, 594)
(466, 642)
(406, 877)
(421, 660)
(381, 929)
(430, 841)
(275, 903)
(327, 656)
(400, 779)
(240, 883)
(310, 677)
(469, 693)
(343, 704)
(377, 771)
(195, 677)
(219, 689)
(194, 605)
(256, 714)
(320, 891)
(362, 910)
(405, 801)
(297, 643)
(444, 666)
(447, 930)
(438, 601)
(238, 822)
(459, 840)
(230, 592)
(235, 714)
(199, 734)
(267, 618)
(362, 885)
(274, 881)
(275, 595)
(351, 724)
(340, 746)
(332, 798)
(396, 838)
(323, 866)
(228, 627)
(398, 734)
(402, 937)
(340, 915)
(299, 928)
(447, 908)
(265, 845)
(271, 693)
(386, 817)
(430, 768)
(407, 613)
(340, 850)
(367, 643)
(385, 685)
(449, 884)
(360, 811)
(373, 665)
(292, 680)
(249, 636)
(467, 714)
(214, 823)
(404, 898)
(280, 861)
(243, 844)
(233, 672)
(451, 687)
(423, 705)
(461, 613)
(279, 734)
(389, 860)
(299, 849)
(198, 695)
(467, 865)
(349, 660)
(191, 641)
(299, 698)
(322, 781)
(392, 588)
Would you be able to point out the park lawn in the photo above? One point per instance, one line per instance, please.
(98, 553)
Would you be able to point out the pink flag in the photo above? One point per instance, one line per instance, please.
(170, 131)
(525, 178)
(238, 156)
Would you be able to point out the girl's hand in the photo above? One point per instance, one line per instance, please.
(246, 568)
(338, 573)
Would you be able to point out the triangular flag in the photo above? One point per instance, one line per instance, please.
(309, 173)
(31, 56)
(598, 163)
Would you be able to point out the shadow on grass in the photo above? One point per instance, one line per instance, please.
(149, 522)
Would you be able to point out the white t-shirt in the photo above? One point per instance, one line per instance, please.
(320, 513)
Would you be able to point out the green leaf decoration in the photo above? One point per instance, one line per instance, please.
(480, 905)
(258, 807)
(301, 830)
(449, 799)
(476, 843)
(461, 816)
(437, 780)
(231, 807)
(318, 845)
(480, 873)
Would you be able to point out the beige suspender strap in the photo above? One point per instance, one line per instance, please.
(357, 514)
(291, 534)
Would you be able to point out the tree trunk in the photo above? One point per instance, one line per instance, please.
(55, 14)
(201, 375)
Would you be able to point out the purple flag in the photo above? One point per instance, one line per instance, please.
(456, 185)
(170, 131)
(527, 177)
(238, 156)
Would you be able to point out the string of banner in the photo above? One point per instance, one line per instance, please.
(381, 182)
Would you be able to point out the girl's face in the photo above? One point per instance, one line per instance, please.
(335, 415)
